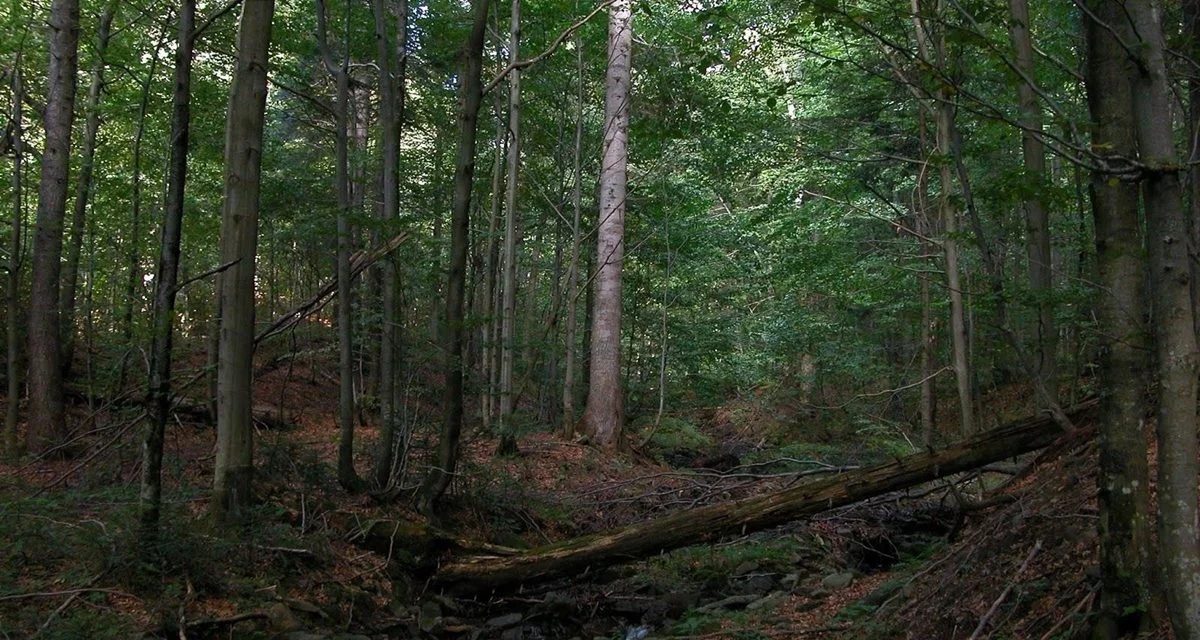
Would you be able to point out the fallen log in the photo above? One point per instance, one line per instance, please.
(486, 573)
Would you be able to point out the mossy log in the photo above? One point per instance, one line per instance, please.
(487, 572)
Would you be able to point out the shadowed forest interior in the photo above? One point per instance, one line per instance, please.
(554, 319)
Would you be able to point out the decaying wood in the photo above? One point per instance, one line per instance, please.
(489, 571)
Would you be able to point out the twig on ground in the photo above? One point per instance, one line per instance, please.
(996, 605)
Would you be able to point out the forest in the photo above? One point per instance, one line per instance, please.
(607, 319)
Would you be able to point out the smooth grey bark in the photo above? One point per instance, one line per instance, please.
(568, 391)
(1123, 481)
(13, 414)
(1037, 218)
(47, 423)
(234, 469)
(604, 414)
(167, 277)
(84, 186)
(347, 476)
(471, 93)
(508, 299)
(1174, 329)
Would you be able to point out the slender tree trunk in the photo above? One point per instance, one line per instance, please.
(11, 447)
(944, 116)
(568, 392)
(491, 264)
(347, 476)
(604, 414)
(1123, 479)
(1037, 219)
(150, 498)
(239, 236)
(1175, 335)
(391, 90)
(508, 304)
(84, 187)
(47, 423)
(442, 472)
(133, 253)
(928, 323)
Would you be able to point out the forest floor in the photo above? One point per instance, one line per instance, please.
(944, 561)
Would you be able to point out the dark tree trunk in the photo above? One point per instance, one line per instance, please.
(11, 446)
(442, 472)
(150, 498)
(47, 423)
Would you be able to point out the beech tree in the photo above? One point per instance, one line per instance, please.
(234, 471)
(604, 414)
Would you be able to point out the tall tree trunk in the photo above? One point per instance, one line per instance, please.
(347, 477)
(47, 423)
(1123, 479)
(928, 323)
(943, 111)
(133, 254)
(84, 187)
(391, 92)
(491, 261)
(13, 414)
(508, 303)
(239, 237)
(604, 414)
(1175, 335)
(150, 497)
(568, 391)
(1191, 30)
(1037, 219)
(441, 473)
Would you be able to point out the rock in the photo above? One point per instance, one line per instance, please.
(790, 580)
(515, 633)
(350, 636)
(296, 604)
(732, 602)
(282, 619)
(759, 585)
(744, 568)
(770, 601)
(505, 621)
(679, 602)
(430, 617)
(838, 581)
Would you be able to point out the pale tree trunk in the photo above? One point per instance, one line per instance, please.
(239, 237)
(347, 476)
(944, 116)
(568, 392)
(1037, 219)
(47, 423)
(1175, 336)
(928, 322)
(604, 413)
(84, 187)
(391, 92)
(1123, 479)
(442, 471)
(508, 301)
(133, 253)
(150, 497)
(11, 447)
